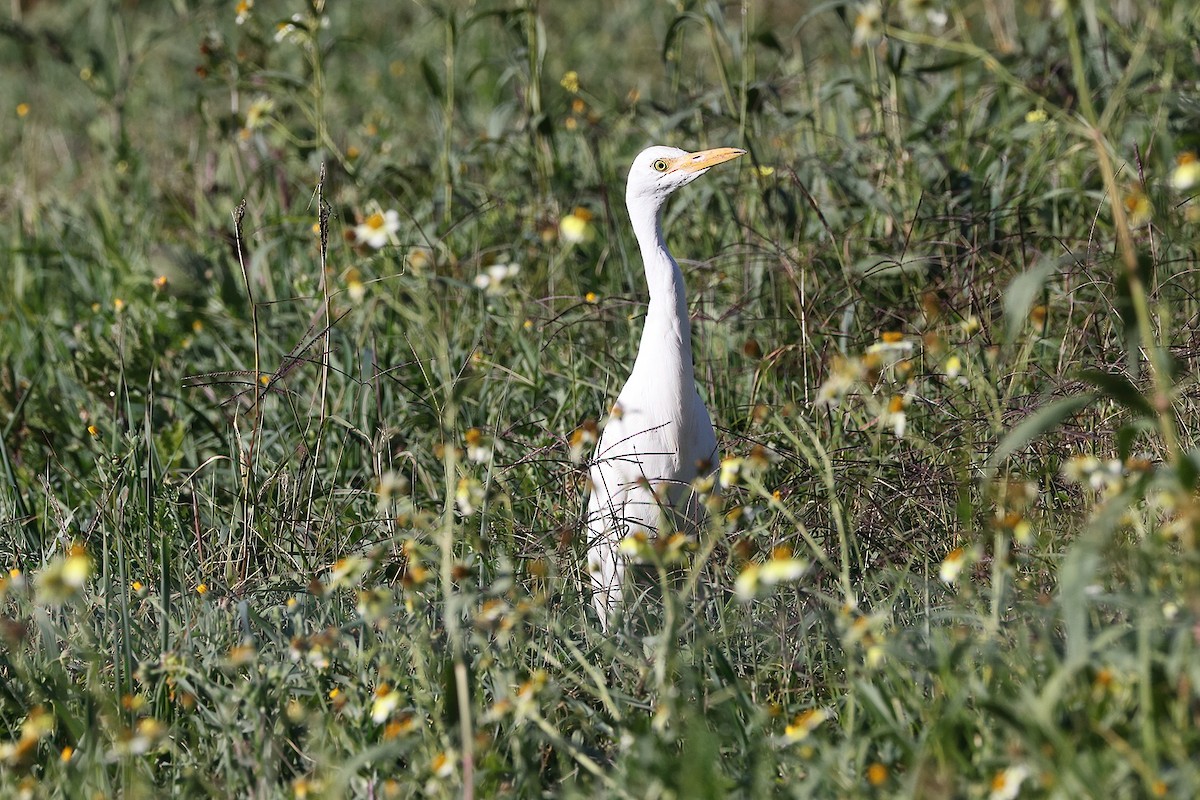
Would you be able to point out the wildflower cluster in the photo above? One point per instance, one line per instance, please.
(864, 633)
(882, 377)
(870, 22)
(496, 279)
(640, 547)
(782, 567)
(377, 229)
(1104, 477)
(576, 227)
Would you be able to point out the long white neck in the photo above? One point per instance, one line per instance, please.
(667, 334)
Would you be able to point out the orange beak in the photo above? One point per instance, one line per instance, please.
(695, 162)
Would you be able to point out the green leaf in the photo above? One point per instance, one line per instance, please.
(1128, 434)
(1189, 470)
(431, 79)
(1119, 389)
(1023, 291)
(1045, 418)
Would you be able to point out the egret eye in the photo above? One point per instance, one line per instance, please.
(660, 165)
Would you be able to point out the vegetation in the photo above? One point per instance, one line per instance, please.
(309, 314)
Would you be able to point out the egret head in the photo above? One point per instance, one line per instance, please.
(657, 171)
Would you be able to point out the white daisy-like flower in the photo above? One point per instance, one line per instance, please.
(1007, 783)
(378, 229)
(495, 279)
(1187, 171)
(868, 25)
(804, 724)
(952, 566)
(921, 13)
(386, 701)
(243, 10)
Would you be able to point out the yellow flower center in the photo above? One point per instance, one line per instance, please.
(375, 221)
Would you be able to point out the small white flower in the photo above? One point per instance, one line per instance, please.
(1007, 783)
(495, 278)
(243, 10)
(378, 229)
(746, 585)
(387, 700)
(953, 367)
(1187, 172)
(952, 566)
(782, 570)
(804, 724)
(868, 25)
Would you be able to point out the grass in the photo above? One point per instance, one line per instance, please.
(290, 515)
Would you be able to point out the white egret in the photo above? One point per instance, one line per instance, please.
(659, 437)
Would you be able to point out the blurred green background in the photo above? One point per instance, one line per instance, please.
(308, 312)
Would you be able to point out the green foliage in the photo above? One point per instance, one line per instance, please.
(309, 313)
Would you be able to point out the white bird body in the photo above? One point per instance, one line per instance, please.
(659, 438)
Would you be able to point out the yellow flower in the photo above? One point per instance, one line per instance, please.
(479, 449)
(1185, 176)
(143, 738)
(576, 227)
(953, 367)
(782, 570)
(290, 31)
(22, 110)
(406, 723)
(347, 571)
(386, 701)
(1036, 116)
(443, 765)
(745, 587)
(570, 81)
(469, 496)
(1138, 207)
(65, 577)
(591, 297)
(243, 10)
(355, 287)
(891, 346)
(877, 774)
(118, 305)
(202, 589)
(419, 258)
(378, 229)
(241, 655)
(731, 471)
(804, 724)
(895, 416)
(257, 113)
(844, 373)
(635, 547)
(583, 437)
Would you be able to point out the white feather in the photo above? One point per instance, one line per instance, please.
(660, 435)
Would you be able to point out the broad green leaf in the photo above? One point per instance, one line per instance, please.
(1120, 390)
(1044, 419)
(1020, 295)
